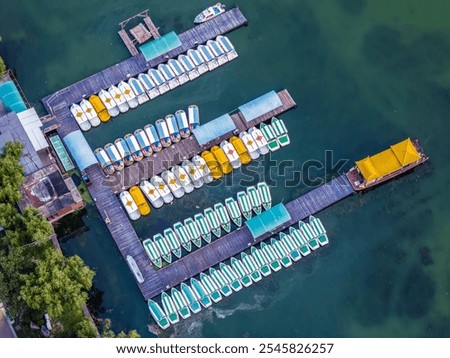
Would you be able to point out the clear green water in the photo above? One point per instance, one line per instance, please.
(365, 74)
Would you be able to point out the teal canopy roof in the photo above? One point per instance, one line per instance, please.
(261, 105)
(268, 220)
(160, 46)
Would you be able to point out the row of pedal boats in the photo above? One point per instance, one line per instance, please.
(211, 222)
(221, 282)
(157, 81)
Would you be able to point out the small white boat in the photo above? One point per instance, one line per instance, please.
(217, 51)
(270, 136)
(163, 247)
(114, 155)
(162, 188)
(205, 230)
(180, 304)
(252, 267)
(173, 242)
(266, 197)
(211, 286)
(244, 205)
(250, 144)
(255, 199)
(194, 117)
(128, 93)
(134, 147)
(172, 126)
(169, 76)
(223, 216)
(143, 142)
(232, 155)
(152, 194)
(183, 124)
(158, 80)
(198, 61)
(193, 231)
(173, 184)
(135, 269)
(118, 97)
(169, 308)
(228, 47)
(233, 210)
(213, 221)
(108, 101)
(193, 172)
(152, 252)
(221, 281)
(124, 151)
(261, 142)
(189, 66)
(208, 56)
(152, 136)
(90, 112)
(183, 179)
(138, 90)
(178, 70)
(163, 132)
(149, 86)
(210, 13)
(200, 163)
(129, 205)
(80, 117)
(183, 236)
(300, 241)
(280, 131)
(282, 252)
(104, 161)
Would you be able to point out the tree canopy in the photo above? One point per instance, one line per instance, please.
(2, 67)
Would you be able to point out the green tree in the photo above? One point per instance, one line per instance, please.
(109, 333)
(2, 67)
(11, 173)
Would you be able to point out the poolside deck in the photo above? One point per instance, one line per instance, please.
(186, 149)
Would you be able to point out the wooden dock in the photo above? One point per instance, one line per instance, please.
(186, 149)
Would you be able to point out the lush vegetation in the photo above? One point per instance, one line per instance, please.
(35, 277)
(2, 67)
(108, 333)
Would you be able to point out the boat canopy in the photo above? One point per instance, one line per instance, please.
(388, 161)
(160, 46)
(268, 220)
(80, 150)
(216, 128)
(11, 98)
(260, 106)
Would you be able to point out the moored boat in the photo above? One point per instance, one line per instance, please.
(129, 205)
(208, 56)
(135, 269)
(110, 104)
(217, 51)
(269, 252)
(222, 159)
(115, 157)
(153, 137)
(172, 127)
(262, 261)
(266, 197)
(118, 97)
(139, 199)
(158, 79)
(128, 94)
(173, 184)
(201, 293)
(300, 241)
(193, 172)
(220, 281)
(203, 168)
(152, 252)
(190, 298)
(213, 165)
(180, 303)
(143, 142)
(231, 276)
(227, 46)
(80, 117)
(163, 132)
(183, 178)
(183, 235)
(163, 247)
(104, 161)
(158, 314)
(211, 287)
(198, 60)
(90, 112)
(233, 210)
(124, 151)
(280, 131)
(231, 153)
(307, 232)
(194, 117)
(318, 226)
(205, 230)
(135, 149)
(270, 136)
(288, 242)
(152, 194)
(252, 266)
(244, 204)
(241, 150)
(162, 188)
(255, 199)
(183, 124)
(138, 90)
(172, 240)
(213, 221)
(250, 144)
(189, 66)
(210, 13)
(281, 252)
(241, 271)
(178, 70)
(223, 217)
(193, 231)
(169, 308)
(100, 108)
(259, 139)
(149, 86)
(168, 75)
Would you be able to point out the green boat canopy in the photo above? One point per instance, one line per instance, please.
(268, 220)
(160, 46)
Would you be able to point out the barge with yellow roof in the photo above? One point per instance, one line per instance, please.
(399, 158)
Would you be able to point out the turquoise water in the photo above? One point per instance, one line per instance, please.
(364, 74)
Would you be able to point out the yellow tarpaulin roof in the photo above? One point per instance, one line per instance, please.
(388, 161)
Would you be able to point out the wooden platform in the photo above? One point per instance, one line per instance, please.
(186, 149)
